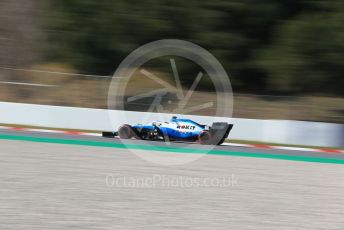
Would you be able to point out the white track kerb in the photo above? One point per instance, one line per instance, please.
(135, 63)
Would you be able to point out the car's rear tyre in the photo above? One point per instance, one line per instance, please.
(125, 132)
(205, 138)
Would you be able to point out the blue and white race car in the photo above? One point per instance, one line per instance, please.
(175, 130)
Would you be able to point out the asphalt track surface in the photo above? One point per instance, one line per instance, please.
(69, 186)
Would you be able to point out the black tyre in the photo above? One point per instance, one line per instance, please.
(125, 132)
(205, 138)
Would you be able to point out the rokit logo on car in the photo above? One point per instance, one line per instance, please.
(189, 127)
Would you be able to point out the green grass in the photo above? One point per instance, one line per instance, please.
(93, 93)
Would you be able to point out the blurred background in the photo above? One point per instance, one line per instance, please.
(285, 58)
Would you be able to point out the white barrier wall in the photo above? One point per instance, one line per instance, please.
(274, 131)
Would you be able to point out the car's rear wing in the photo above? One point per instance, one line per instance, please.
(219, 132)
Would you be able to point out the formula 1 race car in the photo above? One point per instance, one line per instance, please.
(175, 130)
